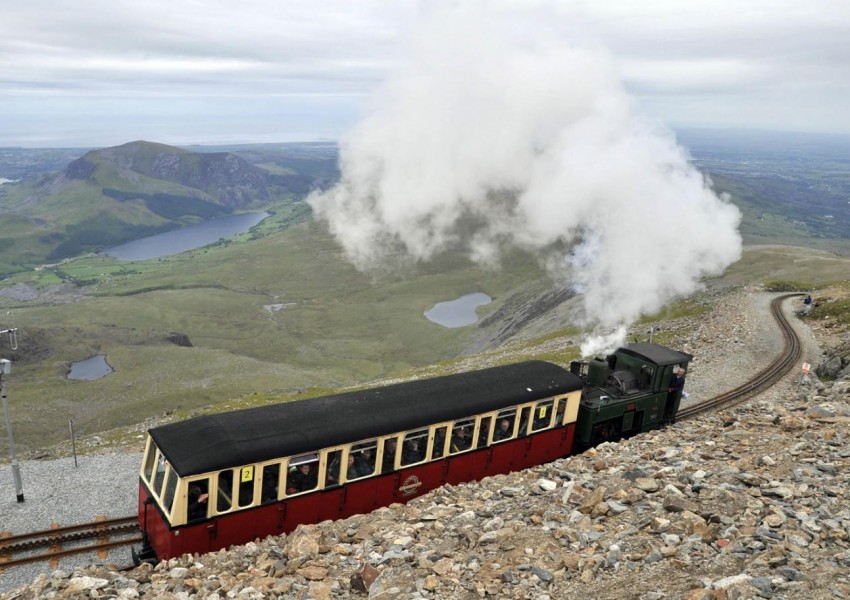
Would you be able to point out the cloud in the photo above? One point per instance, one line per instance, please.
(221, 46)
(714, 62)
(498, 134)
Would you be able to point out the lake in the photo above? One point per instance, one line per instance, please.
(457, 313)
(188, 238)
(91, 368)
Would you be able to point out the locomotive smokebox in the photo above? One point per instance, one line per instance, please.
(597, 372)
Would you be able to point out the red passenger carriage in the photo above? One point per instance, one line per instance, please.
(213, 481)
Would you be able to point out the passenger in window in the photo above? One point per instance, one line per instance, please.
(351, 471)
(503, 431)
(364, 462)
(559, 418)
(302, 479)
(542, 416)
(461, 440)
(388, 461)
(411, 452)
(197, 501)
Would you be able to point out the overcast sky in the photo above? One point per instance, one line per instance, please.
(105, 72)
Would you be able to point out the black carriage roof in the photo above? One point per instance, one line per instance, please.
(242, 437)
(660, 355)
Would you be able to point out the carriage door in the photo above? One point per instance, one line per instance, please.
(271, 519)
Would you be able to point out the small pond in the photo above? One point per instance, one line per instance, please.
(188, 238)
(457, 313)
(91, 368)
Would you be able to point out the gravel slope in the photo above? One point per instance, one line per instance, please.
(55, 491)
(735, 339)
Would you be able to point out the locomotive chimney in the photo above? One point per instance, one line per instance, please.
(597, 372)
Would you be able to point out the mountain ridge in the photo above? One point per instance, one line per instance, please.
(113, 195)
(227, 178)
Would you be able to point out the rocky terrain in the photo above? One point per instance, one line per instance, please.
(751, 502)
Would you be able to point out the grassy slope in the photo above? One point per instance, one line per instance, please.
(338, 327)
(49, 218)
(808, 268)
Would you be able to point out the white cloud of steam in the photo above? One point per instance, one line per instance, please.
(499, 133)
(599, 345)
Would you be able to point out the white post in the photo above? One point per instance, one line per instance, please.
(5, 369)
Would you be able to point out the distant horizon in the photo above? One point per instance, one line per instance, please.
(335, 142)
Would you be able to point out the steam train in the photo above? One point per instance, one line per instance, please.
(217, 480)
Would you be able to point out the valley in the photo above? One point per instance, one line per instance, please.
(279, 312)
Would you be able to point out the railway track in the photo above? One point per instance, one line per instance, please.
(15, 550)
(29, 547)
(790, 355)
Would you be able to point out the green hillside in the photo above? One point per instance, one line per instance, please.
(114, 195)
(274, 311)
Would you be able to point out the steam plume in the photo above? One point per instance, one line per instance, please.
(497, 134)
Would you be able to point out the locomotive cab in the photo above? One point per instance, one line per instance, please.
(627, 392)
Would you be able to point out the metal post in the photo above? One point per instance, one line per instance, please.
(73, 440)
(16, 470)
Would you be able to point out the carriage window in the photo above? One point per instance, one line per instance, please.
(504, 425)
(198, 495)
(388, 457)
(225, 489)
(562, 408)
(542, 415)
(303, 474)
(160, 475)
(524, 415)
(484, 431)
(439, 442)
(462, 436)
(332, 472)
(170, 488)
(271, 475)
(150, 461)
(414, 446)
(246, 486)
(361, 458)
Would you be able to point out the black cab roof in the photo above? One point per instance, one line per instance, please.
(655, 353)
(247, 436)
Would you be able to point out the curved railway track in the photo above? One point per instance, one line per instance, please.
(15, 550)
(791, 352)
(18, 549)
